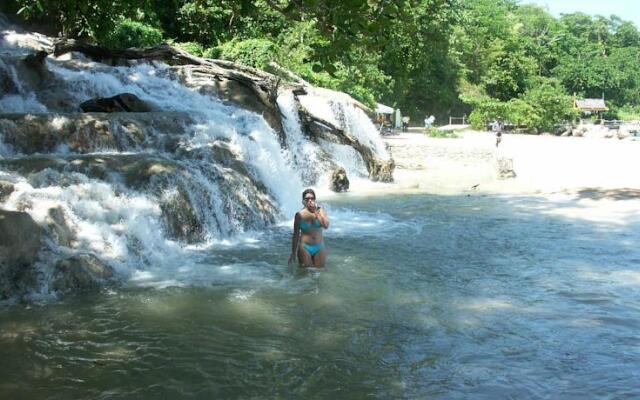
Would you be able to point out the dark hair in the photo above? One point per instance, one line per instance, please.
(308, 191)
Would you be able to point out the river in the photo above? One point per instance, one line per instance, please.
(424, 296)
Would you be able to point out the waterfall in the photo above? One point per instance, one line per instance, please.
(139, 190)
(340, 110)
(304, 154)
(16, 97)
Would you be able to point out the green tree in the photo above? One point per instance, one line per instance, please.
(90, 18)
(128, 33)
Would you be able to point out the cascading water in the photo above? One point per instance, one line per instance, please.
(340, 110)
(304, 154)
(208, 171)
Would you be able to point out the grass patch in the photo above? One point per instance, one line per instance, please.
(436, 133)
(629, 113)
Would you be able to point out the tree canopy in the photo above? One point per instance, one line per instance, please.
(491, 58)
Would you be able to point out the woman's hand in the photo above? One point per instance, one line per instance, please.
(321, 215)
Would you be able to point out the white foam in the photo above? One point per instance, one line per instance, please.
(124, 226)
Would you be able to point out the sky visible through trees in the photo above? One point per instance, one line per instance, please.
(626, 8)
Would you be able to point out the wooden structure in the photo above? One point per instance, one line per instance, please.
(590, 105)
(458, 120)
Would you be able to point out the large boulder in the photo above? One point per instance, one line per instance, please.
(124, 102)
(80, 273)
(20, 242)
(240, 95)
(317, 128)
(381, 170)
(339, 180)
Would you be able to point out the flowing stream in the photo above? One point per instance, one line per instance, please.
(424, 296)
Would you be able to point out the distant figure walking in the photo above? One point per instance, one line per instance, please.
(405, 123)
(496, 126)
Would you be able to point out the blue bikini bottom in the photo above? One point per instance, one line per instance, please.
(313, 249)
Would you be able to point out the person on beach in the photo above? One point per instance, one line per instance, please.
(497, 128)
(405, 124)
(307, 229)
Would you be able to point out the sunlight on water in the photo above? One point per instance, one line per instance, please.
(487, 305)
(422, 295)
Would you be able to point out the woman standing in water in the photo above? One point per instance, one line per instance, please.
(307, 228)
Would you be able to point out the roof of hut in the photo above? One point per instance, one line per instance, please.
(590, 105)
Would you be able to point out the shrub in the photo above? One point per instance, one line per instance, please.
(539, 109)
(211, 52)
(629, 113)
(521, 113)
(193, 48)
(128, 33)
(485, 110)
(551, 105)
(252, 52)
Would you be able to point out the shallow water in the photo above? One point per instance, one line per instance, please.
(424, 296)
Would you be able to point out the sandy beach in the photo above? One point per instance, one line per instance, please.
(543, 164)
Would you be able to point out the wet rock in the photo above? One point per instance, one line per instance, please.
(567, 132)
(504, 168)
(36, 63)
(90, 132)
(238, 92)
(627, 130)
(247, 196)
(242, 200)
(32, 40)
(382, 171)
(6, 188)
(7, 83)
(20, 242)
(19, 73)
(58, 227)
(138, 172)
(124, 102)
(317, 128)
(80, 273)
(339, 180)
(180, 218)
(594, 131)
(224, 156)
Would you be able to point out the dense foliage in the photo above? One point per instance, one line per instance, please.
(128, 33)
(487, 58)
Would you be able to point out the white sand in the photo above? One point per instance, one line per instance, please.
(543, 164)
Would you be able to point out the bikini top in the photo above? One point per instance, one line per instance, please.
(307, 226)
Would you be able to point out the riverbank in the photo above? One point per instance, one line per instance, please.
(543, 164)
